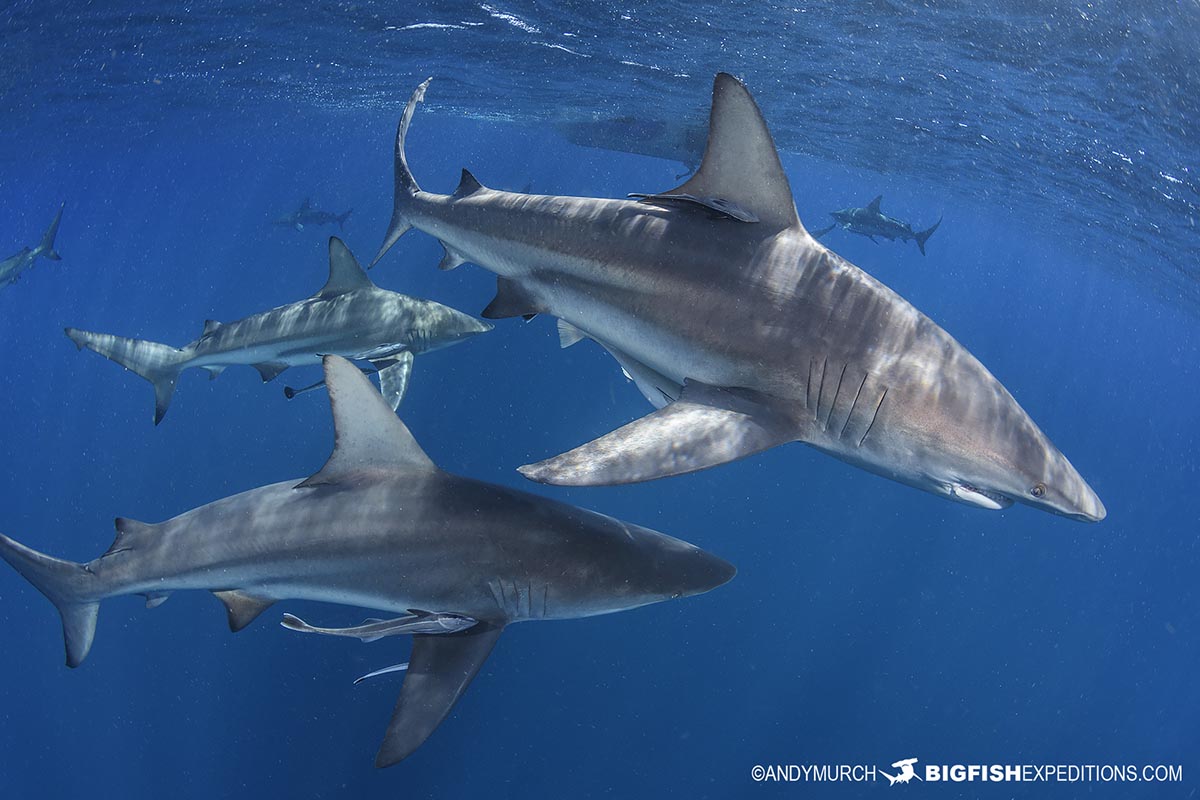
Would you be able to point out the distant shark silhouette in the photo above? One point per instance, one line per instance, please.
(15, 265)
(871, 222)
(380, 526)
(307, 215)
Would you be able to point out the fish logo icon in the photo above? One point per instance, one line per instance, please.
(906, 773)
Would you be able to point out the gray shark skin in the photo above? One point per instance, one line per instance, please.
(871, 222)
(15, 265)
(379, 526)
(350, 317)
(307, 215)
(745, 335)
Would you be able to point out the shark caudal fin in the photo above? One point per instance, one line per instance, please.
(405, 185)
(46, 247)
(66, 584)
(158, 363)
(923, 236)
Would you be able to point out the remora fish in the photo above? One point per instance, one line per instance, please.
(871, 222)
(12, 267)
(372, 630)
(307, 215)
(742, 329)
(350, 317)
(379, 526)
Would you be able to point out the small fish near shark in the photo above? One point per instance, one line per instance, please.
(306, 214)
(380, 526)
(350, 317)
(18, 263)
(871, 222)
(741, 329)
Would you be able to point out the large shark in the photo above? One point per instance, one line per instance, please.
(871, 222)
(306, 214)
(350, 317)
(12, 267)
(379, 526)
(741, 329)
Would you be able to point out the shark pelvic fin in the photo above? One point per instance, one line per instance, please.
(439, 670)
(242, 608)
(741, 167)
(511, 300)
(270, 370)
(451, 259)
(705, 427)
(345, 273)
(568, 334)
(367, 433)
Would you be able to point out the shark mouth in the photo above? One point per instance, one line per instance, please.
(983, 498)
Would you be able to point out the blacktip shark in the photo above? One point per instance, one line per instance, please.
(871, 222)
(380, 526)
(307, 215)
(350, 317)
(15, 265)
(744, 331)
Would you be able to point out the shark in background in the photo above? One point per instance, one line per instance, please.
(350, 316)
(306, 214)
(871, 222)
(18, 263)
(741, 329)
(380, 526)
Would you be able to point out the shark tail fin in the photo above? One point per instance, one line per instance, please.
(46, 248)
(66, 584)
(923, 236)
(158, 363)
(405, 184)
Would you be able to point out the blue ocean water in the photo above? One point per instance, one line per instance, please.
(869, 622)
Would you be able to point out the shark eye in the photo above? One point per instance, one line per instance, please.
(1038, 490)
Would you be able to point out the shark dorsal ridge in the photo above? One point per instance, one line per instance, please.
(345, 273)
(873, 206)
(367, 433)
(741, 165)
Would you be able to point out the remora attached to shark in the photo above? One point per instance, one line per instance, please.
(871, 222)
(350, 317)
(380, 526)
(306, 214)
(12, 267)
(741, 329)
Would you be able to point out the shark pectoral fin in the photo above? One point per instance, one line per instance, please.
(345, 273)
(242, 607)
(510, 301)
(705, 427)
(741, 169)
(439, 671)
(393, 377)
(270, 370)
(367, 432)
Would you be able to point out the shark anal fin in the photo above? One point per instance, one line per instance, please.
(511, 300)
(741, 166)
(439, 671)
(705, 427)
(242, 607)
(367, 432)
(393, 377)
(451, 259)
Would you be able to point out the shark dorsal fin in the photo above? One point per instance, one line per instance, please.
(345, 273)
(873, 206)
(307, 204)
(741, 165)
(210, 326)
(367, 433)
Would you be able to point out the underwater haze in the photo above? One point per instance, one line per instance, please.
(868, 622)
